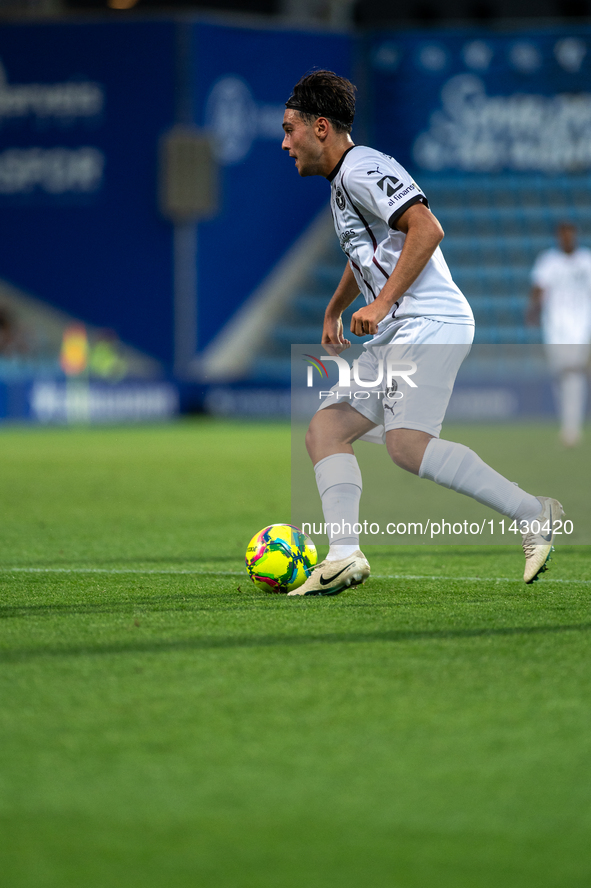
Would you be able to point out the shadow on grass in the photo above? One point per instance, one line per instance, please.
(236, 641)
(129, 607)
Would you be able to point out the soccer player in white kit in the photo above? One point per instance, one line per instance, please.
(391, 240)
(561, 294)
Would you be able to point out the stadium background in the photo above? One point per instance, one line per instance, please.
(162, 721)
(195, 307)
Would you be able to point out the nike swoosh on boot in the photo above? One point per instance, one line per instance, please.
(324, 582)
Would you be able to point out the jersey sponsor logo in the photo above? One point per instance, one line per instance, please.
(389, 185)
(340, 199)
(345, 237)
(401, 195)
(377, 170)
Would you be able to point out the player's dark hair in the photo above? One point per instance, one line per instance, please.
(324, 94)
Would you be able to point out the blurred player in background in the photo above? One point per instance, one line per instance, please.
(391, 240)
(561, 299)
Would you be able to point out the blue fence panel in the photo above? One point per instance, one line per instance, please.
(480, 102)
(243, 77)
(82, 107)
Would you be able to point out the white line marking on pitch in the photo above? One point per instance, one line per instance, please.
(125, 570)
(235, 573)
(471, 579)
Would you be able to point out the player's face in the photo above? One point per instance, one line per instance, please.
(301, 142)
(567, 238)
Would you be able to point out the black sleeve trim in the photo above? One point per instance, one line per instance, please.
(420, 198)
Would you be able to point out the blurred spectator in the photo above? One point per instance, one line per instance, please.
(561, 299)
(74, 350)
(12, 342)
(106, 360)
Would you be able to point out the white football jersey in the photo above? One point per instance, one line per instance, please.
(369, 193)
(565, 281)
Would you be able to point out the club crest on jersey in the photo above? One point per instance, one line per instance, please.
(345, 237)
(340, 199)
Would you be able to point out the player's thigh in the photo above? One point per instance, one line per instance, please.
(419, 401)
(349, 412)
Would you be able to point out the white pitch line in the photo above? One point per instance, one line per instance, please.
(125, 570)
(471, 579)
(234, 573)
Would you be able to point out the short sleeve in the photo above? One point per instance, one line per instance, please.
(384, 189)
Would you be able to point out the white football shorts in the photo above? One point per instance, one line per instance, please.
(407, 383)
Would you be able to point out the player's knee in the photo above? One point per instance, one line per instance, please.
(407, 447)
(399, 454)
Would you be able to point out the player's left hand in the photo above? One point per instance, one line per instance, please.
(366, 320)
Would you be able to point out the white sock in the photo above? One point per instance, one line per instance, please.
(573, 394)
(338, 552)
(458, 467)
(339, 485)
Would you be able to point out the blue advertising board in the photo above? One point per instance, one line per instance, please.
(84, 402)
(242, 79)
(82, 107)
(477, 101)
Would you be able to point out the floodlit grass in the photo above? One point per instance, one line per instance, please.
(163, 723)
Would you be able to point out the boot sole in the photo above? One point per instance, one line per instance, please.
(545, 566)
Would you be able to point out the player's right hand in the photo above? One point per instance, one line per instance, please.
(332, 336)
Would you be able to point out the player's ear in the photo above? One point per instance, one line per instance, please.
(321, 128)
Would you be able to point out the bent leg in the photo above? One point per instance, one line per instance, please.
(329, 439)
(407, 448)
(457, 467)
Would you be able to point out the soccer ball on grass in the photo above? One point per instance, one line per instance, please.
(280, 558)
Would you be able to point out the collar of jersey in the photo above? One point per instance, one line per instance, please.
(332, 174)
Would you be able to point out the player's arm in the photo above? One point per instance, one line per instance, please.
(346, 293)
(423, 236)
(534, 308)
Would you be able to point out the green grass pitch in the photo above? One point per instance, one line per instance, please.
(164, 724)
